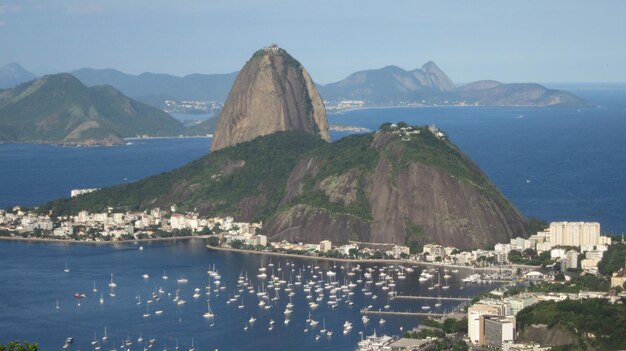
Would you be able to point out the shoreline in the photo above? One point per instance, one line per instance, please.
(338, 112)
(207, 136)
(350, 260)
(254, 252)
(91, 242)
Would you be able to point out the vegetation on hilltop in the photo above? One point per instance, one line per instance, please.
(428, 149)
(350, 154)
(597, 323)
(220, 182)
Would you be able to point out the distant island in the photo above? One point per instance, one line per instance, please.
(387, 86)
(430, 86)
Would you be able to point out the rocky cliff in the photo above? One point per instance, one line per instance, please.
(393, 186)
(273, 92)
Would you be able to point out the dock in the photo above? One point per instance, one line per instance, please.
(399, 313)
(442, 298)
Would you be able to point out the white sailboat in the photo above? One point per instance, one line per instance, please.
(147, 314)
(105, 337)
(67, 269)
(241, 305)
(94, 287)
(209, 313)
(112, 283)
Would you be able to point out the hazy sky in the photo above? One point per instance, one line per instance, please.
(542, 41)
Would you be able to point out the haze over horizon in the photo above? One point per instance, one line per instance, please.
(531, 41)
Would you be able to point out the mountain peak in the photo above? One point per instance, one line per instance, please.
(430, 66)
(273, 92)
(14, 74)
(431, 75)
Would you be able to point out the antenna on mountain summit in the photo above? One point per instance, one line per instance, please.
(273, 47)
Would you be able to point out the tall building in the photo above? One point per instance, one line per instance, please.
(474, 321)
(261, 240)
(497, 330)
(574, 233)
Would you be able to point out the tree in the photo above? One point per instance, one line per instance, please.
(236, 244)
(205, 231)
(515, 256)
(17, 346)
(353, 253)
(536, 225)
(213, 241)
(613, 259)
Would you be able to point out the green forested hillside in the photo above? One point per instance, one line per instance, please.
(598, 324)
(246, 180)
(60, 109)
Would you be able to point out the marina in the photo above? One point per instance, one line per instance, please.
(215, 298)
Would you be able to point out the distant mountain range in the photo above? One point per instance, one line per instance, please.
(390, 85)
(60, 109)
(429, 85)
(14, 74)
(149, 87)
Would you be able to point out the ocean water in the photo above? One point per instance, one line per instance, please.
(552, 163)
(33, 174)
(33, 279)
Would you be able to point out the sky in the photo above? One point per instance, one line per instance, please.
(509, 41)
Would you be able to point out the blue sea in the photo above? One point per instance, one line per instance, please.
(552, 163)
(34, 284)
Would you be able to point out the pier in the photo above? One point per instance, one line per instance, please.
(398, 313)
(442, 298)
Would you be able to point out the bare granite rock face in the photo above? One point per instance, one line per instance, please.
(273, 92)
(394, 198)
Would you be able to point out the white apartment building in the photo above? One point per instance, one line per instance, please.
(261, 240)
(574, 233)
(325, 245)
